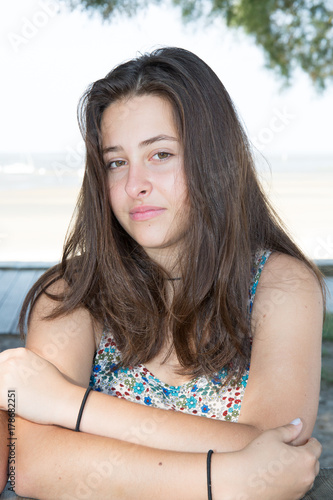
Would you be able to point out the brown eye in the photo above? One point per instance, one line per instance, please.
(161, 155)
(116, 164)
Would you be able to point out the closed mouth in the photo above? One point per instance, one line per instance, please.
(145, 212)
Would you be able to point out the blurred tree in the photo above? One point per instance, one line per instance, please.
(293, 33)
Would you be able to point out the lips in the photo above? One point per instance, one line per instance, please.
(147, 212)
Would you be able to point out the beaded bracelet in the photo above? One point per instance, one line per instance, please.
(86, 394)
(209, 476)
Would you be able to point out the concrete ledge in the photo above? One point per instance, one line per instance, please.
(26, 265)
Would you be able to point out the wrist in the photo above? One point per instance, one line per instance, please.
(84, 400)
(68, 408)
(226, 471)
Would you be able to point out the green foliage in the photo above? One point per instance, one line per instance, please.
(327, 351)
(109, 7)
(327, 376)
(328, 327)
(293, 33)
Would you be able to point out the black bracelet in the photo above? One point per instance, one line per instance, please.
(209, 476)
(86, 394)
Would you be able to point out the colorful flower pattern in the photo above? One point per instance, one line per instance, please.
(201, 396)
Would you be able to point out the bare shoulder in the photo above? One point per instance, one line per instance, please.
(281, 269)
(47, 303)
(68, 341)
(286, 281)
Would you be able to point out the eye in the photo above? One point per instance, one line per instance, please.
(161, 155)
(115, 164)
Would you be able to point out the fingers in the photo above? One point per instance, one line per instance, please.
(314, 447)
(21, 355)
(289, 432)
(317, 468)
(311, 452)
(8, 353)
(4, 355)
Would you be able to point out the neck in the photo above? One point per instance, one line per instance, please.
(168, 260)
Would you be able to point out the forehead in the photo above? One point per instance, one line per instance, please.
(137, 116)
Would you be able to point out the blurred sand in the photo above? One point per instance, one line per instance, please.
(33, 222)
(305, 204)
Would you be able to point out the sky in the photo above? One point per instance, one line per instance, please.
(49, 55)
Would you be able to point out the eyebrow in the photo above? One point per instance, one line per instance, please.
(146, 142)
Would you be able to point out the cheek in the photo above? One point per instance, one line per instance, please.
(116, 192)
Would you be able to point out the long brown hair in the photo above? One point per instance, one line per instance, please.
(230, 220)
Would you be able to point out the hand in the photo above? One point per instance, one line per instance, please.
(42, 393)
(269, 468)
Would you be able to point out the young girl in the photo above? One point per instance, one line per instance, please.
(182, 291)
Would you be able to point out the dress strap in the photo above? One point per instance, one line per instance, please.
(259, 261)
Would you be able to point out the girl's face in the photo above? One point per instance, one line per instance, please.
(146, 181)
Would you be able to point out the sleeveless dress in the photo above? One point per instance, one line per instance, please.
(201, 396)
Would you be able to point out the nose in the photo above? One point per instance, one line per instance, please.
(138, 184)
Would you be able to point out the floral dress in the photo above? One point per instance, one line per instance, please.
(201, 396)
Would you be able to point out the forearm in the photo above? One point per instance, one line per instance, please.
(59, 463)
(3, 449)
(57, 403)
(163, 429)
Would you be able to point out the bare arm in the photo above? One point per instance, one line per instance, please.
(284, 378)
(59, 463)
